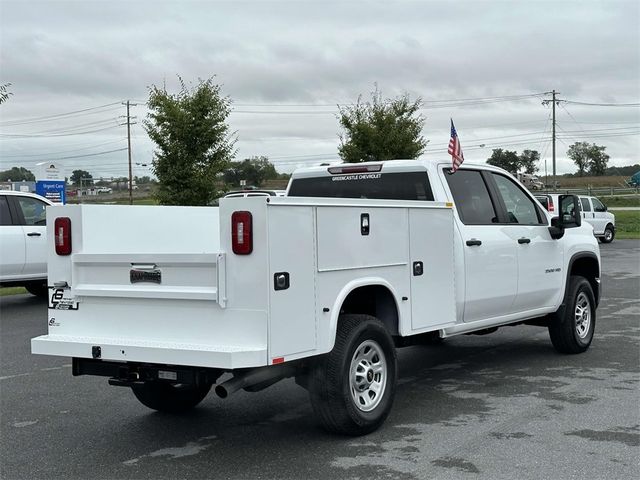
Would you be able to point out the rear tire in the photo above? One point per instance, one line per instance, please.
(38, 289)
(352, 387)
(572, 331)
(170, 398)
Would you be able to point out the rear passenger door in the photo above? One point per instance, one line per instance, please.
(12, 241)
(490, 254)
(539, 256)
(32, 216)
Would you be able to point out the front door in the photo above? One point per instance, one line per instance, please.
(540, 257)
(600, 219)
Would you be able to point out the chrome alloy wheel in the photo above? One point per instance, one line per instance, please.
(608, 235)
(368, 375)
(582, 315)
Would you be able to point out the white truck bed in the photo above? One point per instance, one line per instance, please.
(213, 308)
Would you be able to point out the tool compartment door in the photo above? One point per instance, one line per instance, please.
(433, 303)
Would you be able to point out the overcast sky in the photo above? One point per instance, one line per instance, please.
(286, 65)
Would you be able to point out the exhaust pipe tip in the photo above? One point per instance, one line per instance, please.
(221, 391)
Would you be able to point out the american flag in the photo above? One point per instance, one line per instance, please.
(455, 150)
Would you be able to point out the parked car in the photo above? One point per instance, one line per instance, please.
(256, 193)
(593, 211)
(23, 261)
(634, 180)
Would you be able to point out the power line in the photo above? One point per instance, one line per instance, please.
(50, 154)
(54, 116)
(593, 104)
(8, 135)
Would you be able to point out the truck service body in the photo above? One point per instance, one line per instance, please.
(321, 285)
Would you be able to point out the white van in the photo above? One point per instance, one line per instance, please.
(593, 211)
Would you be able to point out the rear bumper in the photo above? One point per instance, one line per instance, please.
(168, 353)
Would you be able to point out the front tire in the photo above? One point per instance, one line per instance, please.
(352, 387)
(572, 332)
(170, 398)
(609, 235)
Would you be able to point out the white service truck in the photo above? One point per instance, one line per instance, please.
(321, 285)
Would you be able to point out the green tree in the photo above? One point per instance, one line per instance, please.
(381, 129)
(254, 170)
(513, 163)
(193, 142)
(589, 158)
(77, 175)
(528, 161)
(17, 174)
(4, 93)
(507, 159)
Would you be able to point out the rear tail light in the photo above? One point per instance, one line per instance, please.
(551, 209)
(242, 233)
(62, 233)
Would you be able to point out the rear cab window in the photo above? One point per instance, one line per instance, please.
(379, 185)
(471, 197)
(5, 214)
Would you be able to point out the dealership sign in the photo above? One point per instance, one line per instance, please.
(50, 181)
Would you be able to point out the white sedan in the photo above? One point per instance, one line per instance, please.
(23, 241)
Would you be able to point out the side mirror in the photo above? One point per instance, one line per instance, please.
(569, 216)
(569, 211)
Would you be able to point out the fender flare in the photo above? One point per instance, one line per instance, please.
(572, 260)
(346, 291)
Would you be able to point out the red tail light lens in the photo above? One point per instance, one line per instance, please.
(62, 233)
(551, 204)
(242, 233)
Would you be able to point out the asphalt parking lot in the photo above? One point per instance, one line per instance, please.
(498, 406)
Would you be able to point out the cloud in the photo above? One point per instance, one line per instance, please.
(61, 56)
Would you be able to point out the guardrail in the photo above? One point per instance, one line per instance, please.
(595, 191)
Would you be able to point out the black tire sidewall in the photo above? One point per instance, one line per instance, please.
(604, 238)
(370, 330)
(580, 284)
(167, 398)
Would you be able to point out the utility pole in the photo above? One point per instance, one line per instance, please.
(129, 104)
(553, 102)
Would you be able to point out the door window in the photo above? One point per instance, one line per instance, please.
(598, 206)
(471, 197)
(521, 208)
(33, 211)
(5, 215)
(586, 206)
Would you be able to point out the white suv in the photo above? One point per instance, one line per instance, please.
(23, 261)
